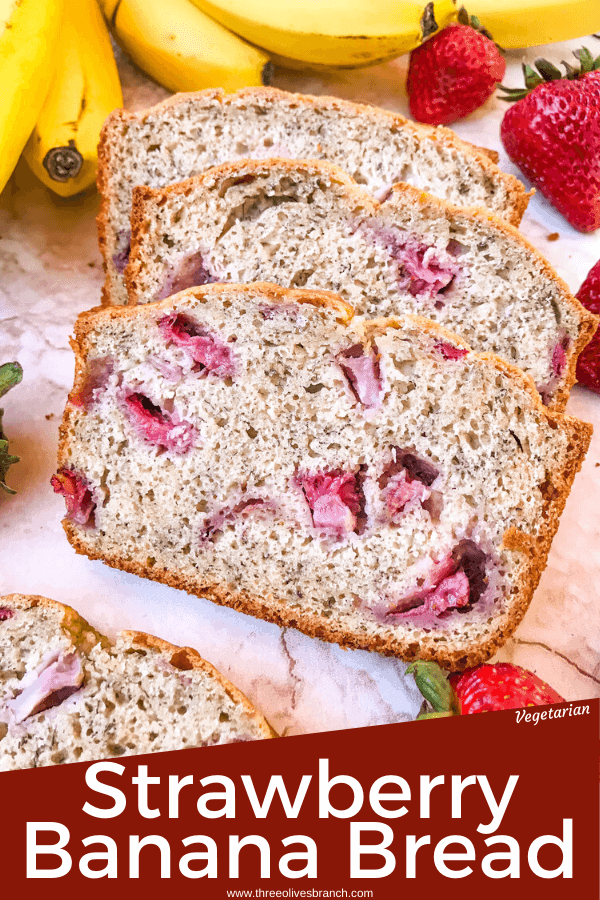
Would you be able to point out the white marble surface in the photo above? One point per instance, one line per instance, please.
(50, 270)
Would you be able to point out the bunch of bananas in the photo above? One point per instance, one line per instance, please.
(60, 79)
(347, 33)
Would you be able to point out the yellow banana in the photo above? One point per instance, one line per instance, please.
(332, 33)
(183, 49)
(527, 23)
(63, 148)
(29, 32)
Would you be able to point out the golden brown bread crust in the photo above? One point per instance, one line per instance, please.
(183, 658)
(403, 195)
(78, 629)
(519, 197)
(535, 549)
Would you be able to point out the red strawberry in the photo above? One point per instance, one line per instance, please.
(588, 364)
(552, 133)
(453, 74)
(486, 688)
(500, 686)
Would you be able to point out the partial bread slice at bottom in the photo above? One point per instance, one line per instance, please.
(376, 484)
(68, 695)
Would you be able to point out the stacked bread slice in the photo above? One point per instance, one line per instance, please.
(189, 133)
(374, 483)
(333, 462)
(299, 223)
(67, 694)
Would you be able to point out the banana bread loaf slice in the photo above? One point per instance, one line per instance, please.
(67, 694)
(307, 224)
(189, 133)
(373, 483)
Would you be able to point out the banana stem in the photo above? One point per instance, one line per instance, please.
(63, 163)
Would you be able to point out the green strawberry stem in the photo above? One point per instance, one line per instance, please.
(549, 72)
(433, 715)
(10, 374)
(433, 683)
(474, 22)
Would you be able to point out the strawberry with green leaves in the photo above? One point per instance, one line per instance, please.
(552, 133)
(454, 73)
(485, 688)
(10, 374)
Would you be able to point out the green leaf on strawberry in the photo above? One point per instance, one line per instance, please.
(10, 374)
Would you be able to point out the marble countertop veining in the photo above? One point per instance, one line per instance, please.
(50, 270)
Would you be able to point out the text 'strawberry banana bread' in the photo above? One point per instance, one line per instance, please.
(189, 133)
(305, 224)
(373, 483)
(68, 695)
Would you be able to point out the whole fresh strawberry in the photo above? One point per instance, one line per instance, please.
(453, 74)
(588, 364)
(485, 688)
(552, 134)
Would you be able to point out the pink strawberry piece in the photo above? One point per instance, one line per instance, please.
(121, 255)
(453, 74)
(420, 271)
(501, 686)
(417, 469)
(402, 491)
(77, 494)
(333, 500)
(451, 592)
(427, 274)
(158, 427)
(552, 133)
(96, 381)
(189, 271)
(449, 351)
(271, 311)
(211, 354)
(363, 374)
(50, 684)
(559, 358)
(588, 364)
(557, 365)
(5, 614)
(457, 581)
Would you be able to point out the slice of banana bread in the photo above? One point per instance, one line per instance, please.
(68, 695)
(373, 483)
(189, 133)
(307, 224)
